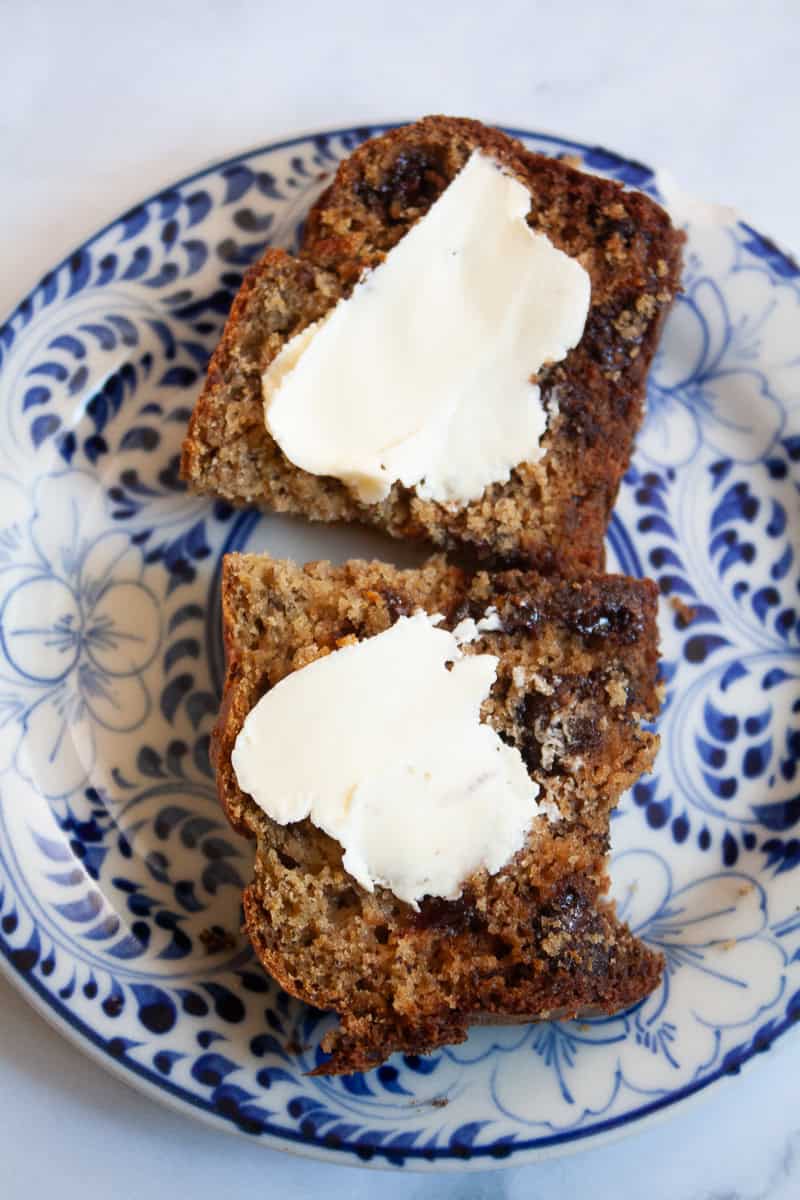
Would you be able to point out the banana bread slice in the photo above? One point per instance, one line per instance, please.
(551, 514)
(539, 939)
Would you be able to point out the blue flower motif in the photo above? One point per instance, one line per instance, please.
(570, 1069)
(78, 627)
(721, 966)
(705, 385)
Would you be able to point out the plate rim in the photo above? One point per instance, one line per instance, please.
(216, 164)
(80, 1034)
(177, 1100)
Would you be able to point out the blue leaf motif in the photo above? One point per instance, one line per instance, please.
(106, 929)
(220, 873)
(134, 222)
(180, 377)
(389, 1079)
(128, 947)
(229, 1099)
(756, 759)
(722, 726)
(102, 334)
(26, 957)
(55, 851)
(78, 380)
(44, 427)
(712, 756)
(80, 266)
(51, 370)
(775, 676)
(250, 222)
(211, 1069)
(140, 437)
(85, 909)
(70, 344)
(698, 648)
(199, 705)
(466, 1134)
(269, 1075)
(66, 878)
(266, 1043)
(765, 249)
(268, 185)
(170, 202)
(34, 396)
(187, 612)
(199, 353)
(757, 722)
(174, 693)
(184, 648)
(730, 850)
(94, 447)
(227, 1004)
(782, 855)
(139, 264)
(780, 815)
(764, 599)
(156, 1009)
(238, 180)
(193, 830)
(125, 328)
(186, 897)
(196, 253)
(422, 1065)
(165, 1060)
(356, 1085)
(199, 206)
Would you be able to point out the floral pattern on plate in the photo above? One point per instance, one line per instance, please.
(119, 879)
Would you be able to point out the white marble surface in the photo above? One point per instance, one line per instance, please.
(101, 104)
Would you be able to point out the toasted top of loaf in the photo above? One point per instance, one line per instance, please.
(575, 678)
(551, 514)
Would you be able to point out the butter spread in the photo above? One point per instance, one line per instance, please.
(380, 743)
(423, 375)
(470, 630)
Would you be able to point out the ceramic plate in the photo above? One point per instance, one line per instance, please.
(119, 878)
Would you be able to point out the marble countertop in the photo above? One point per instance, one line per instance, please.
(101, 104)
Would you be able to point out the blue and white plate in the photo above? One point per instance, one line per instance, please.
(119, 878)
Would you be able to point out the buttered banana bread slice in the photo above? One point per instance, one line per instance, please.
(535, 937)
(549, 509)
